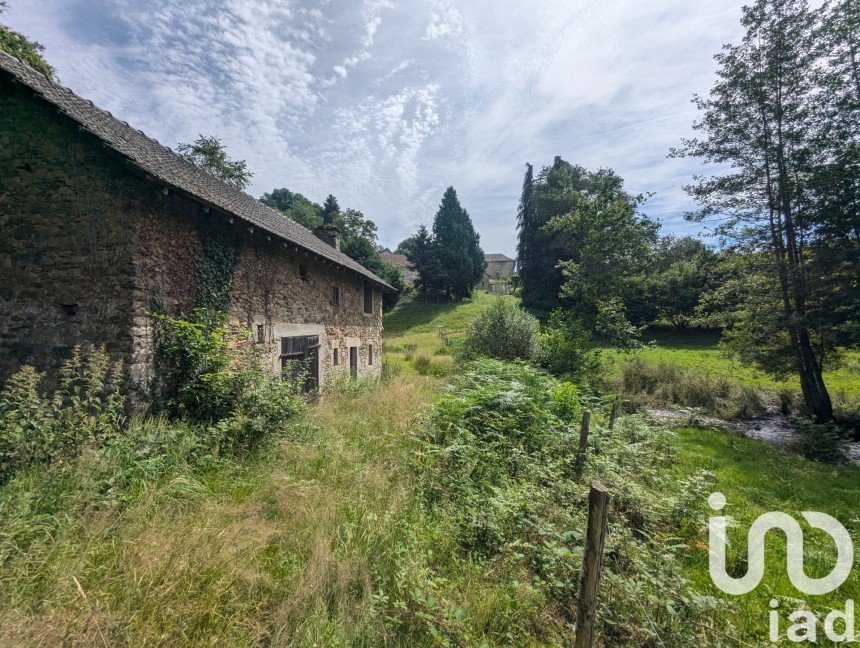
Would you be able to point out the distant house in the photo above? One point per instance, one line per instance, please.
(102, 226)
(499, 268)
(409, 274)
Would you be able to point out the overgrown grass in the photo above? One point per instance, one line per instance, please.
(699, 351)
(756, 478)
(281, 547)
(371, 519)
(430, 330)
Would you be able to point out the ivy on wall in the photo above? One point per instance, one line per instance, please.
(216, 268)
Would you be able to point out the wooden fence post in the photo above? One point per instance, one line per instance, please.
(583, 442)
(613, 414)
(592, 564)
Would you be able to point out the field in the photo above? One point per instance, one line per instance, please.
(319, 538)
(756, 478)
(699, 351)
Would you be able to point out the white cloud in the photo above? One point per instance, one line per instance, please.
(385, 104)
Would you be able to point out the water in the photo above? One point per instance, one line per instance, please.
(773, 427)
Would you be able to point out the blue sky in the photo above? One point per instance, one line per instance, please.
(386, 103)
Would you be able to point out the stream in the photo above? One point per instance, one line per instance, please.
(772, 427)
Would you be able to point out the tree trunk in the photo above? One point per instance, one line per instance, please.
(811, 382)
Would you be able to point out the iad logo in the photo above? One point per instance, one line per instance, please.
(805, 622)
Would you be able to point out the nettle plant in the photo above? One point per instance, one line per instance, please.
(41, 422)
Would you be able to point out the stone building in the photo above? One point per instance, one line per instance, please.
(499, 268)
(100, 226)
(400, 260)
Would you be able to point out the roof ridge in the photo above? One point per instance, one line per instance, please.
(155, 158)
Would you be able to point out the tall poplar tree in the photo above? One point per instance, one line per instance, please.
(526, 243)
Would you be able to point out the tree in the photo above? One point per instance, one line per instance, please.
(208, 153)
(294, 206)
(23, 48)
(777, 117)
(684, 271)
(528, 252)
(420, 253)
(459, 260)
(330, 210)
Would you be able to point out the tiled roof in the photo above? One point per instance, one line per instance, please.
(397, 259)
(495, 256)
(172, 169)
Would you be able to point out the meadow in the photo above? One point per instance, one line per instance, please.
(402, 512)
(699, 351)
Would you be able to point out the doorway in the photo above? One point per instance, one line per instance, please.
(353, 362)
(300, 360)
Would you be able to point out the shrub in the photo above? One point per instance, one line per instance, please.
(422, 365)
(192, 366)
(496, 467)
(39, 424)
(566, 348)
(503, 331)
(666, 384)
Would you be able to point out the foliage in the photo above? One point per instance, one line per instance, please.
(294, 206)
(496, 469)
(450, 261)
(330, 210)
(40, 423)
(566, 348)
(503, 331)
(216, 268)
(684, 271)
(21, 47)
(779, 118)
(208, 153)
(199, 379)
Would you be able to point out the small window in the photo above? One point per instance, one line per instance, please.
(335, 297)
(335, 358)
(303, 272)
(370, 354)
(368, 297)
(261, 333)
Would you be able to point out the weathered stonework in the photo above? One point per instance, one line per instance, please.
(90, 246)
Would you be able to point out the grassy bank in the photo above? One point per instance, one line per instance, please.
(699, 351)
(756, 478)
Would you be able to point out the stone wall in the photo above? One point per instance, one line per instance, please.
(66, 229)
(269, 289)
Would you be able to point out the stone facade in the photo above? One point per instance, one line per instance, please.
(91, 245)
(499, 268)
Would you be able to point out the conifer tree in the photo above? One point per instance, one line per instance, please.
(331, 210)
(526, 228)
(456, 248)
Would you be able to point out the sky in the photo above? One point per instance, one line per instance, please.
(386, 103)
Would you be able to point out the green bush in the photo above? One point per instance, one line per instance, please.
(199, 379)
(496, 467)
(39, 423)
(422, 365)
(192, 367)
(566, 348)
(503, 331)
